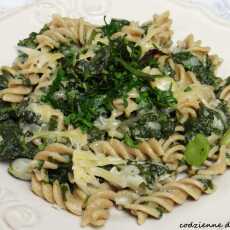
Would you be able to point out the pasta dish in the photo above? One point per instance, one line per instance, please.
(114, 115)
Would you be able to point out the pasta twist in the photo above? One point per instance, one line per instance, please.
(15, 93)
(16, 89)
(220, 164)
(173, 149)
(164, 200)
(133, 32)
(189, 44)
(55, 191)
(159, 32)
(35, 70)
(54, 194)
(186, 110)
(184, 77)
(150, 149)
(188, 102)
(64, 30)
(131, 104)
(54, 154)
(225, 94)
(97, 208)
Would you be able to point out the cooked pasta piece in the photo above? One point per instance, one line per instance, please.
(174, 149)
(158, 32)
(97, 208)
(114, 115)
(219, 166)
(150, 149)
(187, 109)
(189, 44)
(53, 193)
(172, 194)
(225, 93)
(184, 77)
(47, 187)
(131, 106)
(64, 30)
(133, 32)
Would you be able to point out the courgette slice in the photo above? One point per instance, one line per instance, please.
(20, 169)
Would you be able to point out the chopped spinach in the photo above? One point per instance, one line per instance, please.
(151, 171)
(208, 121)
(152, 124)
(164, 98)
(204, 70)
(3, 81)
(12, 142)
(114, 26)
(86, 88)
(60, 174)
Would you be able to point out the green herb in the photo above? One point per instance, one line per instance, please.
(208, 121)
(129, 141)
(208, 184)
(12, 140)
(52, 123)
(85, 89)
(188, 89)
(152, 124)
(3, 81)
(197, 150)
(60, 174)
(151, 171)
(114, 26)
(31, 40)
(135, 71)
(12, 144)
(204, 70)
(164, 98)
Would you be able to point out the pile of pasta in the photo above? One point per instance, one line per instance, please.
(88, 178)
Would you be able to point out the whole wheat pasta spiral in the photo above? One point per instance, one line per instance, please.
(189, 44)
(173, 149)
(15, 94)
(184, 77)
(133, 32)
(131, 104)
(16, 89)
(159, 32)
(187, 109)
(53, 193)
(59, 153)
(220, 164)
(97, 208)
(172, 194)
(225, 93)
(50, 159)
(64, 30)
(150, 149)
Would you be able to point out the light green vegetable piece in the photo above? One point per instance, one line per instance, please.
(225, 140)
(197, 150)
(20, 169)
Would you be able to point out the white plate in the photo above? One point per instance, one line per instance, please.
(19, 208)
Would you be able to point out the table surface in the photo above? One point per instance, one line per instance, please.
(218, 7)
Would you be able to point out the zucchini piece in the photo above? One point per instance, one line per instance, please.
(20, 169)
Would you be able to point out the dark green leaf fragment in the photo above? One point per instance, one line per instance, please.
(204, 70)
(114, 26)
